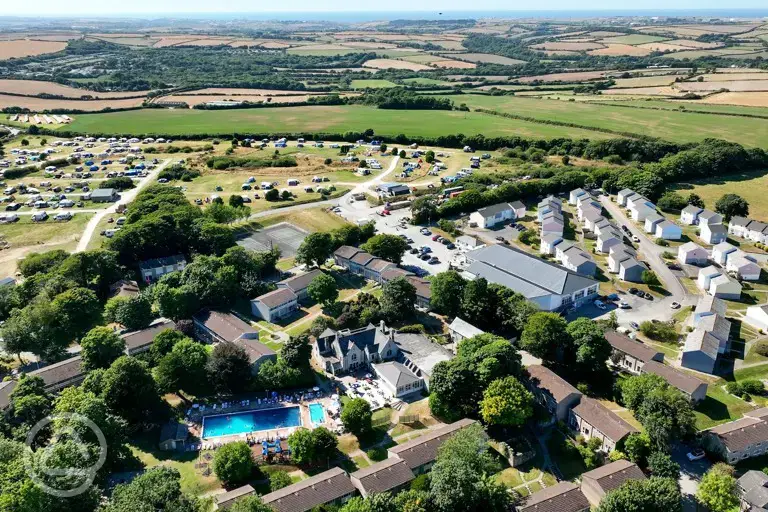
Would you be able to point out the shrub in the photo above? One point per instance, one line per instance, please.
(661, 242)
(377, 454)
(761, 347)
(272, 195)
(659, 331)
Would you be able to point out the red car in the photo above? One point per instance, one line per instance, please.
(434, 238)
(387, 212)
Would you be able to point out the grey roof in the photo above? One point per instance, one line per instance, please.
(421, 351)
(162, 262)
(124, 288)
(755, 486)
(578, 191)
(378, 264)
(423, 450)
(716, 228)
(613, 475)
(382, 476)
(543, 378)
(702, 341)
(517, 205)
(144, 337)
(225, 500)
(6, 388)
(277, 297)
(551, 201)
(7, 281)
(666, 224)
(627, 192)
(464, 328)
(174, 431)
(685, 382)
(225, 325)
(561, 497)
(690, 246)
(346, 252)
(631, 347)
(694, 210)
(524, 273)
(625, 249)
(654, 217)
(606, 421)
(300, 282)
(756, 225)
(396, 373)
(744, 432)
(553, 215)
(103, 192)
(717, 325)
(710, 304)
(469, 240)
(55, 374)
(550, 238)
(393, 273)
(708, 214)
(724, 247)
(724, 279)
(490, 211)
(320, 489)
(739, 221)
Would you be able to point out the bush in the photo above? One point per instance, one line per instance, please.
(661, 242)
(272, 195)
(761, 347)
(278, 480)
(377, 454)
(745, 388)
(659, 331)
(119, 183)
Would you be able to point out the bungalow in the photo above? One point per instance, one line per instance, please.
(468, 243)
(692, 254)
(725, 287)
(744, 266)
(756, 231)
(707, 217)
(553, 223)
(707, 306)
(561, 497)
(690, 215)
(389, 475)
(552, 391)
(548, 243)
(423, 287)
(713, 234)
(597, 483)
(274, 305)
(757, 316)
(374, 268)
(668, 230)
(624, 195)
(137, 342)
(218, 327)
(608, 238)
(490, 216)
(651, 221)
(173, 436)
(737, 226)
(63, 374)
(700, 351)
(591, 419)
(706, 275)
(629, 354)
(299, 284)
(548, 204)
(397, 379)
(104, 195)
(617, 254)
(579, 261)
(640, 211)
(420, 453)
(631, 270)
(6, 388)
(695, 389)
(576, 194)
(738, 440)
(124, 288)
(461, 329)
(721, 252)
(332, 487)
(590, 218)
(154, 269)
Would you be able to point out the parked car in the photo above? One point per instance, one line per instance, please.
(634, 325)
(673, 266)
(450, 246)
(500, 238)
(635, 239)
(675, 305)
(425, 257)
(633, 290)
(648, 296)
(599, 304)
(434, 260)
(624, 305)
(425, 231)
(696, 454)
(414, 251)
(436, 238)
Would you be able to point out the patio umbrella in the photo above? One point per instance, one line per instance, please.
(315, 388)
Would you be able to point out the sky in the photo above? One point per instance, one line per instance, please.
(179, 7)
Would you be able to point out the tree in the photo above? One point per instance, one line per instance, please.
(429, 156)
(76, 311)
(651, 495)
(447, 291)
(184, 367)
(695, 200)
(297, 351)
(285, 195)
(545, 336)
(637, 446)
(251, 503)
(398, 299)
(506, 402)
(233, 463)
(163, 343)
(272, 194)
(732, 205)
(314, 250)
(229, 368)
(566, 160)
(311, 446)
(718, 490)
(236, 201)
(650, 278)
(356, 416)
(41, 262)
(100, 347)
(402, 153)
(592, 350)
(388, 247)
(667, 416)
(671, 201)
(475, 302)
(176, 303)
(278, 480)
(129, 391)
(157, 489)
(636, 388)
(323, 289)
(662, 465)
(423, 209)
(133, 313)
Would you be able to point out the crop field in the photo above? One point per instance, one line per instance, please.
(576, 76)
(742, 74)
(456, 64)
(40, 104)
(621, 49)
(34, 87)
(25, 48)
(426, 81)
(634, 39)
(697, 105)
(670, 125)
(300, 120)
(485, 58)
(195, 99)
(751, 186)
(733, 86)
(568, 46)
(749, 99)
(646, 91)
(395, 64)
(645, 81)
(371, 84)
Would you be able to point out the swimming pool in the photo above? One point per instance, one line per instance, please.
(250, 421)
(316, 413)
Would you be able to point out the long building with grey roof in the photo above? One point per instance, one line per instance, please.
(551, 287)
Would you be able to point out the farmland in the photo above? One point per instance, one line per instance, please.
(337, 119)
(751, 186)
(25, 48)
(40, 104)
(35, 87)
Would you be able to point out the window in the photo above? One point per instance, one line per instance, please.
(389, 352)
(354, 357)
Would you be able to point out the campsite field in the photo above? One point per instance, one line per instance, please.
(303, 120)
(752, 186)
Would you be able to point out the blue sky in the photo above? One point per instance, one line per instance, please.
(80, 7)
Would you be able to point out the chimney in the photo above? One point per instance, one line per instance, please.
(382, 327)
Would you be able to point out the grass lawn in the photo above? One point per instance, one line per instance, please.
(361, 462)
(634, 39)
(753, 372)
(752, 186)
(372, 84)
(565, 455)
(510, 477)
(192, 480)
(25, 232)
(328, 119)
(348, 443)
(666, 124)
(719, 407)
(311, 219)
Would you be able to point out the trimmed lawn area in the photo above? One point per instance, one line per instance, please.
(27, 233)
(752, 186)
(719, 407)
(361, 462)
(510, 477)
(348, 443)
(565, 456)
(192, 481)
(311, 219)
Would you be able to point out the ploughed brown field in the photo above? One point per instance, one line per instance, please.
(40, 104)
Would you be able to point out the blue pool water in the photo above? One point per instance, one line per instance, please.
(316, 413)
(251, 421)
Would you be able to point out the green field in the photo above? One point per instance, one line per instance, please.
(670, 125)
(372, 84)
(687, 105)
(303, 120)
(752, 186)
(425, 81)
(634, 39)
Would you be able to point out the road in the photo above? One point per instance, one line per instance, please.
(125, 198)
(650, 251)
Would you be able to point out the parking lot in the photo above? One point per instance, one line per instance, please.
(286, 237)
